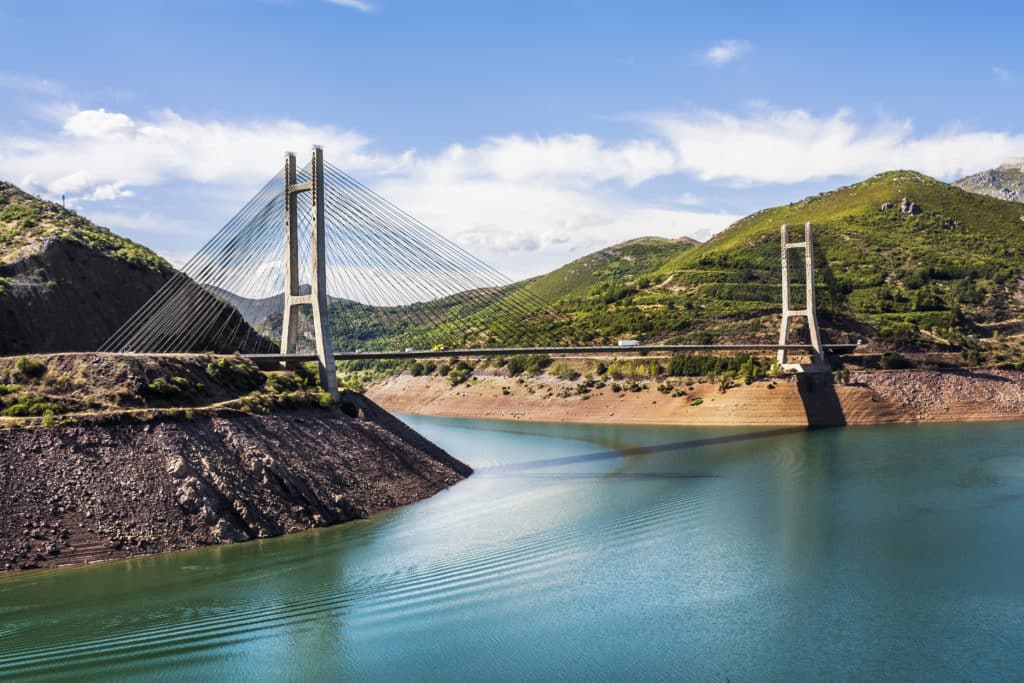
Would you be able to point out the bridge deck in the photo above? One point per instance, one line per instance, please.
(549, 350)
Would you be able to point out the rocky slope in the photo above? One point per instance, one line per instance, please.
(65, 283)
(1004, 182)
(95, 491)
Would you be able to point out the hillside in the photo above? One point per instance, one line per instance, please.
(65, 283)
(945, 261)
(903, 260)
(1003, 182)
(109, 456)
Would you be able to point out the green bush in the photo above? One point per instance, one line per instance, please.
(237, 373)
(29, 369)
(308, 374)
(32, 405)
(562, 370)
(280, 384)
(532, 363)
(161, 387)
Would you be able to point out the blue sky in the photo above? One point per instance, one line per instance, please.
(530, 132)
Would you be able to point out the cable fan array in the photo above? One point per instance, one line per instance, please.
(392, 283)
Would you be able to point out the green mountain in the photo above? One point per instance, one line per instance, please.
(1004, 182)
(901, 259)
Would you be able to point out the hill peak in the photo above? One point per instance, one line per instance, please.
(28, 223)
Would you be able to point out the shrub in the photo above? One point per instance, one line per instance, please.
(161, 387)
(527, 363)
(6, 389)
(280, 384)
(616, 387)
(308, 374)
(601, 368)
(325, 400)
(563, 370)
(236, 373)
(895, 361)
(32, 405)
(416, 369)
(29, 368)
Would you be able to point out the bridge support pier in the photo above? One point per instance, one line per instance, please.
(808, 312)
(293, 296)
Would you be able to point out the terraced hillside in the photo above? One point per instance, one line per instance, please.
(902, 259)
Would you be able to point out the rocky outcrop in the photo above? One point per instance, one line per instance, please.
(100, 491)
(68, 297)
(1004, 182)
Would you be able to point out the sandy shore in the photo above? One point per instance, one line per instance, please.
(871, 398)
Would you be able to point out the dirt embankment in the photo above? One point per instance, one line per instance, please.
(89, 492)
(870, 398)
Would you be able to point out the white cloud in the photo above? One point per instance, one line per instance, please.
(726, 51)
(96, 149)
(353, 4)
(524, 203)
(1001, 74)
(790, 146)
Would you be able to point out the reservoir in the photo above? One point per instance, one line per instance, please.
(590, 552)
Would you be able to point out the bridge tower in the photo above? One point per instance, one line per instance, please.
(810, 309)
(293, 296)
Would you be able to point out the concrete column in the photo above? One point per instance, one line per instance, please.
(811, 298)
(289, 325)
(321, 319)
(782, 356)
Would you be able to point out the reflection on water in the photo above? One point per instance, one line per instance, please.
(594, 552)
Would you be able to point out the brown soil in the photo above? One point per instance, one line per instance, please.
(90, 492)
(871, 398)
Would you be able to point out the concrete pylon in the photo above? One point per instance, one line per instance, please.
(317, 298)
(810, 310)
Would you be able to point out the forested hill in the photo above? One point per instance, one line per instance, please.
(902, 259)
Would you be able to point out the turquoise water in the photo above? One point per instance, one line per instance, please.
(590, 553)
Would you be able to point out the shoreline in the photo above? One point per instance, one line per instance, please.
(870, 398)
(78, 494)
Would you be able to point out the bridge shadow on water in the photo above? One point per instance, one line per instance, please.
(531, 469)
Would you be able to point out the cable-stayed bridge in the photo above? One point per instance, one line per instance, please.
(316, 258)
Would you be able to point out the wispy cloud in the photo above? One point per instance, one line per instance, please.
(768, 145)
(524, 202)
(1001, 74)
(31, 84)
(360, 5)
(726, 51)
